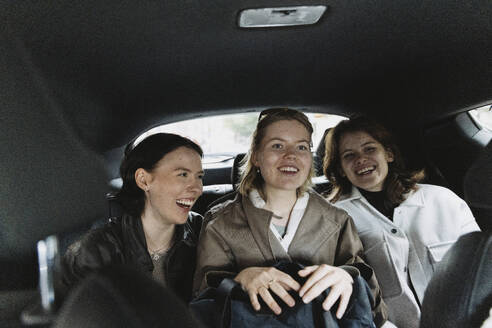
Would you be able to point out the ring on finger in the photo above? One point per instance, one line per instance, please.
(258, 290)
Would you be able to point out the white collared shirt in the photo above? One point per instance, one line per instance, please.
(294, 221)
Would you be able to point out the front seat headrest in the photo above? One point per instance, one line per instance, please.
(122, 297)
(460, 291)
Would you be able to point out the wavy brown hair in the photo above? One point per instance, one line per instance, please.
(250, 178)
(399, 180)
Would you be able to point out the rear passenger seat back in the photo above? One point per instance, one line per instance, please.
(478, 188)
(114, 208)
(236, 170)
(235, 178)
(320, 184)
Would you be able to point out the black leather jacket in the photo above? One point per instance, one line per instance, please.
(122, 242)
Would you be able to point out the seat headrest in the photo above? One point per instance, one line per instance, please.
(460, 291)
(236, 172)
(319, 154)
(478, 188)
(122, 297)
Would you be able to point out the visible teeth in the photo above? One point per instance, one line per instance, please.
(288, 169)
(185, 202)
(365, 170)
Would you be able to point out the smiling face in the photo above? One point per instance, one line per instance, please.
(173, 186)
(284, 156)
(364, 160)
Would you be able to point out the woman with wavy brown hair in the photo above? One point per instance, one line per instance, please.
(405, 227)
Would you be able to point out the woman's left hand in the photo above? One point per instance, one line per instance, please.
(326, 276)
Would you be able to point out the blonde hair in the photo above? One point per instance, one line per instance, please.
(250, 178)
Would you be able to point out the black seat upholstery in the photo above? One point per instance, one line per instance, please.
(114, 208)
(122, 297)
(321, 185)
(235, 177)
(478, 188)
(320, 154)
(460, 291)
(236, 170)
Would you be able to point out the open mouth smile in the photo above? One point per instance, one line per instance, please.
(288, 169)
(366, 170)
(185, 203)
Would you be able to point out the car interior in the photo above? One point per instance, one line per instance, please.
(80, 80)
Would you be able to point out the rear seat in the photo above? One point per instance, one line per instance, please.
(114, 210)
(320, 184)
(214, 194)
(235, 176)
(478, 188)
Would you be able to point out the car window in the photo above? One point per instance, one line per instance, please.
(225, 135)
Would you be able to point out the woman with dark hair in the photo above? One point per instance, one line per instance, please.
(276, 217)
(405, 227)
(162, 179)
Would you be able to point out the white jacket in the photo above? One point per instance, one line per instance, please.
(424, 227)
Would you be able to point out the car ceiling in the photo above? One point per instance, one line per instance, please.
(114, 68)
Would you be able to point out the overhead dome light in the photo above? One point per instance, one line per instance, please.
(281, 16)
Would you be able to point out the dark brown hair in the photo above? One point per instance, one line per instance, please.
(399, 180)
(250, 179)
(146, 155)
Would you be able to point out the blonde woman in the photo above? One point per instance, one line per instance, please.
(276, 217)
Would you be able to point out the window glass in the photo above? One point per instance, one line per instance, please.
(483, 117)
(221, 136)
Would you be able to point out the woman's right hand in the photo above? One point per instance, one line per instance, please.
(264, 280)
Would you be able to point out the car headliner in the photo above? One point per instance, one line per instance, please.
(116, 67)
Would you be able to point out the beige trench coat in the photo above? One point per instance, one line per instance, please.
(236, 235)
